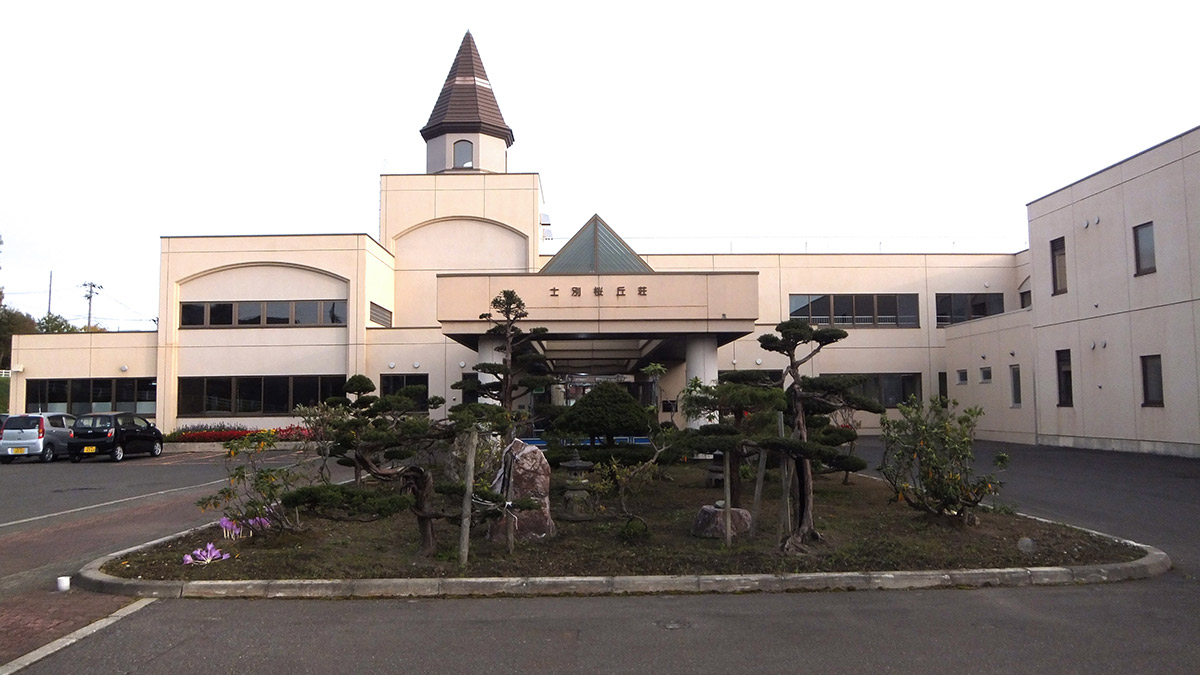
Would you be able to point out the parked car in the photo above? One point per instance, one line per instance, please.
(42, 435)
(115, 435)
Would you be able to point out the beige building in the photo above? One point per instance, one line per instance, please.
(251, 326)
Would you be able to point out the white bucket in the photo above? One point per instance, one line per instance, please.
(64, 584)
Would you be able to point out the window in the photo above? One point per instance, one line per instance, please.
(943, 385)
(254, 395)
(961, 377)
(1062, 360)
(393, 384)
(473, 395)
(464, 155)
(1014, 376)
(890, 389)
(958, 307)
(1058, 266)
(1152, 380)
(254, 313)
(1026, 299)
(1143, 249)
(82, 396)
(985, 375)
(879, 310)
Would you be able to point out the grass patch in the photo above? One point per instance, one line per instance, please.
(863, 533)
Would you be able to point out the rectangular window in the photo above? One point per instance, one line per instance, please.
(1058, 266)
(886, 310)
(1026, 299)
(333, 312)
(1014, 377)
(249, 313)
(985, 375)
(306, 313)
(909, 315)
(102, 395)
(220, 314)
(890, 389)
(1062, 359)
(394, 384)
(82, 396)
(1143, 249)
(191, 314)
(146, 396)
(253, 395)
(473, 396)
(958, 307)
(1152, 380)
(961, 377)
(278, 313)
(943, 385)
(249, 395)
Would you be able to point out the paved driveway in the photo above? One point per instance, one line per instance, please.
(1146, 626)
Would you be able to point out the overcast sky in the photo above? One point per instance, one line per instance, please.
(688, 127)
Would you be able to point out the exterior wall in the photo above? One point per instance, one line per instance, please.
(215, 269)
(996, 342)
(78, 355)
(866, 350)
(1109, 317)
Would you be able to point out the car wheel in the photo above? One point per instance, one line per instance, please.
(48, 453)
(118, 454)
(6, 460)
(156, 449)
(75, 459)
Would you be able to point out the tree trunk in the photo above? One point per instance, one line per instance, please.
(727, 514)
(464, 534)
(423, 491)
(805, 532)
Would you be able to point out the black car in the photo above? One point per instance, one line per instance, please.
(113, 434)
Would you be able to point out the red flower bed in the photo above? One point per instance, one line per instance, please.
(213, 436)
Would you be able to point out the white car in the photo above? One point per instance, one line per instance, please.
(42, 435)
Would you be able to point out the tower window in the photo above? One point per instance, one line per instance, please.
(464, 155)
(1058, 266)
(1143, 249)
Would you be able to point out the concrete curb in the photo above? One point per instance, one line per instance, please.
(1154, 563)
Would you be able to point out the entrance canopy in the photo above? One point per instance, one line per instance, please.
(608, 323)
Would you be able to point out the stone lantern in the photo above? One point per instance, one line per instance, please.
(579, 505)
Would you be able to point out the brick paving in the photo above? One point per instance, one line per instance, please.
(35, 618)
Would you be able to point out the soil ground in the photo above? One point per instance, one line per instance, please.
(862, 531)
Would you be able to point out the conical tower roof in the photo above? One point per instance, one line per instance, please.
(467, 104)
(596, 249)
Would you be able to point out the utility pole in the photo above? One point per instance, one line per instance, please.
(50, 293)
(92, 290)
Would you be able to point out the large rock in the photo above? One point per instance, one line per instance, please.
(710, 522)
(530, 478)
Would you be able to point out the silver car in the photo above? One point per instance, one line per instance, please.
(43, 435)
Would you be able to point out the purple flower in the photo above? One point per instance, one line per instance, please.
(229, 528)
(205, 556)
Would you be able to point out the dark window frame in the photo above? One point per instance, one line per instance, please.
(1058, 266)
(327, 311)
(1152, 391)
(952, 308)
(847, 309)
(1062, 369)
(1014, 385)
(69, 393)
(202, 391)
(1143, 260)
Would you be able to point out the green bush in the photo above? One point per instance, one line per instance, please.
(624, 454)
(928, 458)
(347, 501)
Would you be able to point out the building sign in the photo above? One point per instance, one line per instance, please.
(598, 291)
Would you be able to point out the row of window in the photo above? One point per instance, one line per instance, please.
(1143, 257)
(958, 307)
(887, 310)
(890, 389)
(254, 395)
(1152, 380)
(251, 314)
(80, 396)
